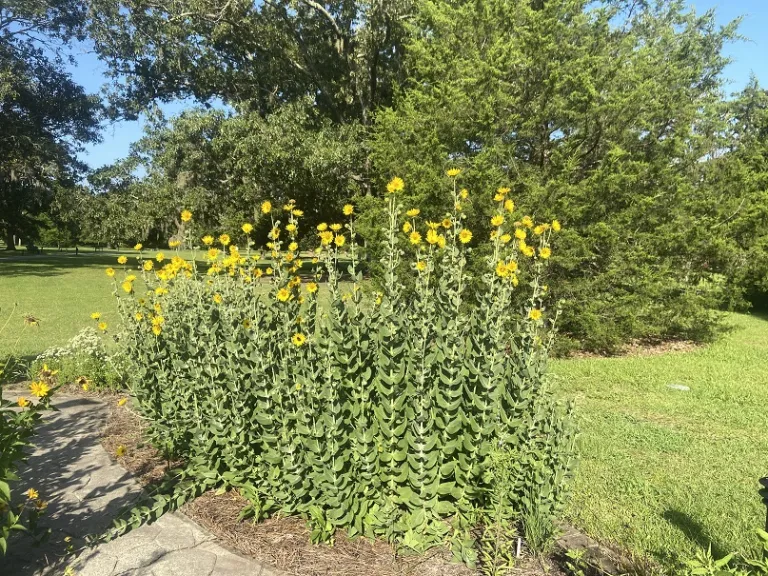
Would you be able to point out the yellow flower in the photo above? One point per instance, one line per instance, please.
(297, 213)
(431, 236)
(528, 251)
(298, 339)
(556, 225)
(213, 253)
(465, 236)
(395, 185)
(283, 294)
(258, 272)
(122, 259)
(95, 315)
(447, 223)
(102, 326)
(311, 287)
(161, 291)
(217, 298)
(515, 281)
(207, 239)
(339, 240)
(148, 264)
(512, 266)
(291, 227)
(138, 247)
(464, 193)
(540, 229)
(407, 227)
(32, 494)
(348, 209)
(520, 234)
(138, 316)
(22, 402)
(158, 320)
(174, 243)
(545, 252)
(457, 206)
(293, 246)
(413, 212)
(127, 287)
(120, 452)
(497, 220)
(498, 197)
(527, 222)
(534, 314)
(274, 233)
(110, 272)
(266, 207)
(186, 215)
(503, 191)
(501, 270)
(156, 329)
(247, 228)
(509, 206)
(453, 172)
(160, 257)
(322, 227)
(421, 265)
(326, 237)
(336, 227)
(268, 271)
(441, 241)
(225, 239)
(39, 389)
(288, 207)
(433, 225)
(506, 238)
(415, 238)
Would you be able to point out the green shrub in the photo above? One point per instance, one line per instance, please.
(378, 413)
(85, 360)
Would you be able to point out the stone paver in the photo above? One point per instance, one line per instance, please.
(86, 489)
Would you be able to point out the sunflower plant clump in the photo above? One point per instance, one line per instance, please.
(380, 413)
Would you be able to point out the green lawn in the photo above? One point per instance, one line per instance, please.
(665, 471)
(59, 290)
(662, 471)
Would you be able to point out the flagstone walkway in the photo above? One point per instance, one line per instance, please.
(85, 490)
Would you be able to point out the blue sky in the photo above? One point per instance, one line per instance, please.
(748, 57)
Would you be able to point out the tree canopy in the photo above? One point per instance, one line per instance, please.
(45, 117)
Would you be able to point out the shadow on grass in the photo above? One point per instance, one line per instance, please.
(695, 531)
(53, 265)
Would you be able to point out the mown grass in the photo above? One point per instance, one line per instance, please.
(59, 291)
(664, 472)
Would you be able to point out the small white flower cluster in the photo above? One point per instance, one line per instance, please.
(86, 342)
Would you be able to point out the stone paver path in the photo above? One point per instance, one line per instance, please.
(85, 489)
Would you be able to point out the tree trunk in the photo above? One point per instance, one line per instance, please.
(9, 240)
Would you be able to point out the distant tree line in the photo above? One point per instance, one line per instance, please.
(611, 116)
